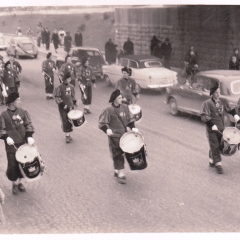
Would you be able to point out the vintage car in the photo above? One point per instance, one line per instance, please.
(3, 44)
(188, 98)
(96, 59)
(22, 46)
(147, 71)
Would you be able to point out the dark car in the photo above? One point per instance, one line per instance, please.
(189, 98)
(22, 46)
(95, 57)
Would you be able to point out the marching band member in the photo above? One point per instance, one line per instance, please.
(65, 98)
(127, 86)
(212, 113)
(68, 66)
(115, 121)
(10, 79)
(16, 129)
(3, 92)
(86, 79)
(48, 69)
(15, 64)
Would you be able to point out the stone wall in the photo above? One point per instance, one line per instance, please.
(212, 30)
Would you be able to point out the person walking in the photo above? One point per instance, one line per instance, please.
(110, 52)
(86, 79)
(61, 34)
(212, 114)
(78, 38)
(128, 47)
(64, 96)
(48, 69)
(67, 43)
(154, 42)
(127, 86)
(115, 121)
(233, 65)
(16, 129)
(55, 39)
(47, 38)
(167, 49)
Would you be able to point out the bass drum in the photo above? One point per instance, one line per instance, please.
(135, 150)
(30, 162)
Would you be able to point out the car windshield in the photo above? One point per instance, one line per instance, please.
(152, 64)
(235, 87)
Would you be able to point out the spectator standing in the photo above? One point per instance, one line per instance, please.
(61, 34)
(236, 55)
(191, 57)
(128, 47)
(167, 49)
(78, 38)
(67, 43)
(43, 36)
(233, 63)
(154, 42)
(55, 39)
(110, 52)
(39, 34)
(47, 38)
(158, 51)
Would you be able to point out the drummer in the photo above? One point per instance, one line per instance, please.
(16, 129)
(65, 98)
(115, 121)
(212, 113)
(127, 86)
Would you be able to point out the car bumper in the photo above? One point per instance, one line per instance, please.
(156, 86)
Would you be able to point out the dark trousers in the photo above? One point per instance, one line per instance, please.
(214, 139)
(88, 92)
(47, 45)
(116, 153)
(167, 62)
(66, 125)
(48, 86)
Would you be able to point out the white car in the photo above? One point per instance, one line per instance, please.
(3, 44)
(147, 71)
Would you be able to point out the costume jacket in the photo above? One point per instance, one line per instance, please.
(48, 66)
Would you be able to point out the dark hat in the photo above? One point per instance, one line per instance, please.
(66, 76)
(12, 97)
(114, 95)
(213, 89)
(49, 55)
(84, 60)
(8, 62)
(128, 70)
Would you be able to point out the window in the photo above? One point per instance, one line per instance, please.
(152, 64)
(75, 53)
(124, 62)
(133, 64)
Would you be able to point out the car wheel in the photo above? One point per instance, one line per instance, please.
(17, 55)
(35, 56)
(108, 81)
(173, 107)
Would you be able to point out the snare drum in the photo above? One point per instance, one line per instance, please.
(230, 141)
(76, 117)
(135, 150)
(136, 111)
(30, 162)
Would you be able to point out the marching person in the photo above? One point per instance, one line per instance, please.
(86, 79)
(67, 43)
(78, 38)
(15, 64)
(68, 66)
(65, 98)
(10, 79)
(127, 86)
(115, 121)
(3, 92)
(212, 113)
(16, 129)
(48, 69)
(55, 39)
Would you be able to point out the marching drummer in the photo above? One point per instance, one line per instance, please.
(127, 86)
(48, 69)
(66, 67)
(212, 113)
(115, 121)
(65, 98)
(16, 129)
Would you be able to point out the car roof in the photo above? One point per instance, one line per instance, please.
(85, 48)
(141, 57)
(22, 38)
(220, 74)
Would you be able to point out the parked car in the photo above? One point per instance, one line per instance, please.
(189, 98)
(22, 46)
(147, 71)
(3, 44)
(96, 58)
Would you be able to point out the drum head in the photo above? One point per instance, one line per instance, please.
(74, 114)
(134, 109)
(231, 135)
(131, 142)
(26, 153)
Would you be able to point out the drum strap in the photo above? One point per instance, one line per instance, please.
(120, 118)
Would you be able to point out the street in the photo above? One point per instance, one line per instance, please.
(177, 192)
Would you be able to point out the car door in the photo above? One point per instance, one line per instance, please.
(12, 46)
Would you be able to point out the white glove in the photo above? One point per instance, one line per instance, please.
(10, 141)
(109, 132)
(236, 118)
(4, 93)
(43, 73)
(94, 85)
(214, 128)
(135, 130)
(30, 141)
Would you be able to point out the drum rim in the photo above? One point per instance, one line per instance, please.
(127, 133)
(23, 146)
(75, 111)
(233, 128)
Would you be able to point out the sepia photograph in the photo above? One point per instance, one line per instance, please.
(119, 120)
